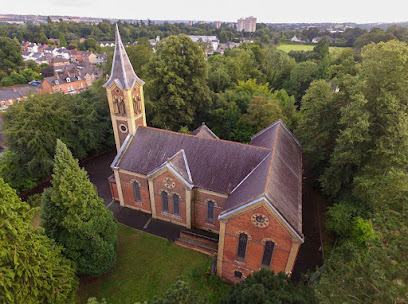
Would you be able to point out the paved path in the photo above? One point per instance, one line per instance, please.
(309, 256)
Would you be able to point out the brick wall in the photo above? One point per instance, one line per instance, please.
(200, 210)
(128, 194)
(255, 246)
(179, 188)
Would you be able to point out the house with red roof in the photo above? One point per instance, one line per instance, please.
(249, 196)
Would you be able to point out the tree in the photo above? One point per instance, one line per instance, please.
(300, 78)
(262, 112)
(63, 41)
(177, 85)
(264, 286)
(32, 127)
(10, 54)
(33, 269)
(75, 217)
(375, 35)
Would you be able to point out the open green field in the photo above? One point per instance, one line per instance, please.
(147, 265)
(301, 47)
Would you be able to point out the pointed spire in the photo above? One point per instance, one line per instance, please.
(122, 71)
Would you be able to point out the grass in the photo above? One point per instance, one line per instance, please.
(147, 265)
(301, 47)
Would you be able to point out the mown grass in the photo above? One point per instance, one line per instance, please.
(301, 47)
(147, 265)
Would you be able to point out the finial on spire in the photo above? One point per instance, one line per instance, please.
(122, 71)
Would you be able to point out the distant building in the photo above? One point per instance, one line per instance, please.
(201, 22)
(296, 39)
(191, 23)
(247, 25)
(211, 41)
(217, 24)
(240, 24)
(9, 96)
(67, 84)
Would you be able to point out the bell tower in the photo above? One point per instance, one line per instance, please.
(125, 95)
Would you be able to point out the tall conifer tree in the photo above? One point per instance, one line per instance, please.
(74, 215)
(32, 269)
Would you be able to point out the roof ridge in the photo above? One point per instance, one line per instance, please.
(175, 156)
(272, 158)
(207, 138)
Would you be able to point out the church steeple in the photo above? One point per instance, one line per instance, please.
(122, 71)
(125, 95)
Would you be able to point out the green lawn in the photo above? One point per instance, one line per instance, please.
(301, 47)
(147, 265)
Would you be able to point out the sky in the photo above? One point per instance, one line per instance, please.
(272, 11)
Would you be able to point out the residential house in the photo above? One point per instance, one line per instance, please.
(67, 83)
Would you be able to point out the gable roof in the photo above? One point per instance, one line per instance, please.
(216, 165)
(271, 166)
(278, 176)
(204, 131)
(122, 71)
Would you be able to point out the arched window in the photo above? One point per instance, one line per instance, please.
(136, 192)
(210, 211)
(242, 245)
(165, 201)
(267, 256)
(176, 204)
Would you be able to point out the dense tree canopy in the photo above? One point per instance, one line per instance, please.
(33, 269)
(264, 287)
(177, 85)
(32, 127)
(75, 217)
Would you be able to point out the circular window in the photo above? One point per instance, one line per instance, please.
(169, 183)
(123, 128)
(260, 220)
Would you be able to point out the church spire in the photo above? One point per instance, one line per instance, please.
(122, 71)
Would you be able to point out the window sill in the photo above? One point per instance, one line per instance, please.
(262, 266)
(171, 215)
(210, 224)
(138, 203)
(240, 260)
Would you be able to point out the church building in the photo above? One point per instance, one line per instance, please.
(250, 195)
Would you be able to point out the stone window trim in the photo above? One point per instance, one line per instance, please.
(270, 239)
(212, 200)
(169, 214)
(244, 232)
(133, 181)
(242, 247)
(207, 221)
(271, 258)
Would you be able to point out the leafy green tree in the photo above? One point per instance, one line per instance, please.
(375, 121)
(32, 127)
(179, 293)
(375, 35)
(75, 217)
(264, 286)
(177, 85)
(10, 54)
(63, 41)
(33, 269)
(300, 78)
(262, 112)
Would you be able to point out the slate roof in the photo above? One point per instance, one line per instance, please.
(204, 131)
(122, 71)
(21, 91)
(62, 79)
(270, 166)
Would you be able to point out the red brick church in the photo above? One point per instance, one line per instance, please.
(250, 195)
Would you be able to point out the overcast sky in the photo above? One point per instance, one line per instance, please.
(273, 11)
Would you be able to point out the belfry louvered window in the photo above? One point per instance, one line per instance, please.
(136, 192)
(242, 245)
(176, 204)
(165, 201)
(267, 256)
